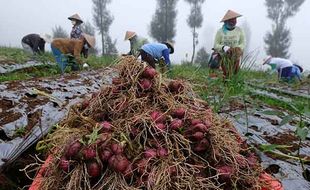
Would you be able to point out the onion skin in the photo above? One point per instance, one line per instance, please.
(117, 148)
(150, 153)
(105, 127)
(225, 173)
(85, 104)
(119, 163)
(176, 124)
(105, 155)
(64, 164)
(149, 72)
(128, 173)
(142, 166)
(89, 153)
(161, 126)
(200, 127)
(198, 136)
(158, 117)
(202, 146)
(145, 84)
(73, 149)
(93, 169)
(162, 152)
(179, 113)
(175, 87)
(195, 122)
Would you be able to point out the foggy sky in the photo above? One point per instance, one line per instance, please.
(21, 17)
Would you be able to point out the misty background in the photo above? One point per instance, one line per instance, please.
(19, 18)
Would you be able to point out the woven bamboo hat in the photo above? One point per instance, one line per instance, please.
(129, 35)
(76, 17)
(170, 46)
(90, 39)
(229, 15)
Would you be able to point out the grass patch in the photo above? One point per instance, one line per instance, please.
(16, 55)
(13, 55)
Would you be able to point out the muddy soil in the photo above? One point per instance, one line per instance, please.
(296, 90)
(29, 109)
(265, 130)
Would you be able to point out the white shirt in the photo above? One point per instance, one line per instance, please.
(279, 63)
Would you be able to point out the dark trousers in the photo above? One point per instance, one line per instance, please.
(147, 58)
(285, 73)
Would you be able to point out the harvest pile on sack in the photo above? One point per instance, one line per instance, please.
(147, 132)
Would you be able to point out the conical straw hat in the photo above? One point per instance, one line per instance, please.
(75, 17)
(90, 40)
(129, 35)
(267, 59)
(230, 14)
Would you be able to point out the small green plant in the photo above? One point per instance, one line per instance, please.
(20, 132)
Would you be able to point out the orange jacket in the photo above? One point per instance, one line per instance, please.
(70, 46)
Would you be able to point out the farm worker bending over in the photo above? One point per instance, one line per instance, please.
(153, 52)
(230, 42)
(287, 70)
(76, 31)
(35, 43)
(135, 43)
(61, 47)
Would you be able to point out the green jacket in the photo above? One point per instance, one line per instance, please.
(135, 46)
(233, 38)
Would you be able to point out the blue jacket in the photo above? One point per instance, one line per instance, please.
(157, 50)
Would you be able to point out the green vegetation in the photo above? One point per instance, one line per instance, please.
(19, 132)
(216, 90)
(15, 55)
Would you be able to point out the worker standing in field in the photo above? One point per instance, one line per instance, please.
(229, 43)
(135, 42)
(76, 31)
(287, 70)
(35, 43)
(63, 48)
(152, 53)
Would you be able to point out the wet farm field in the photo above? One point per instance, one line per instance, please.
(270, 117)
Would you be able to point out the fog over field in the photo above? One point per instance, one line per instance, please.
(19, 18)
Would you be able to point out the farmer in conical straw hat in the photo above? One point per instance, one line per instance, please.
(287, 70)
(63, 48)
(135, 42)
(152, 53)
(76, 31)
(230, 42)
(35, 43)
